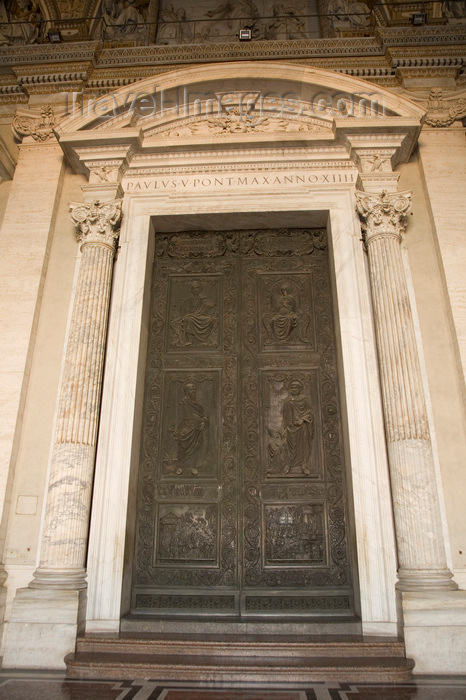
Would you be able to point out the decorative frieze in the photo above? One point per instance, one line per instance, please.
(64, 538)
(418, 527)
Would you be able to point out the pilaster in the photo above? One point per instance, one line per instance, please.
(25, 241)
(52, 608)
(432, 610)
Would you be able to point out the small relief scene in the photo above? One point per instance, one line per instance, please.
(125, 19)
(181, 22)
(292, 426)
(294, 533)
(285, 312)
(20, 22)
(189, 426)
(194, 313)
(454, 10)
(349, 14)
(186, 533)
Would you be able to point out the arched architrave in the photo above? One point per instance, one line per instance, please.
(304, 82)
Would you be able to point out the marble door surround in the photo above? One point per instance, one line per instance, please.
(173, 174)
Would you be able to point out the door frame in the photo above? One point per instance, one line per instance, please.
(111, 542)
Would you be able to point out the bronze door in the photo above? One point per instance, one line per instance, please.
(242, 506)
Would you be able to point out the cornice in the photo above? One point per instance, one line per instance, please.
(302, 166)
(235, 51)
(427, 34)
(49, 53)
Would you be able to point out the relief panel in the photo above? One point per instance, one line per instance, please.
(285, 318)
(293, 534)
(190, 431)
(187, 533)
(241, 479)
(194, 312)
(290, 424)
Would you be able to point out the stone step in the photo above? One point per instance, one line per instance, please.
(239, 660)
(235, 645)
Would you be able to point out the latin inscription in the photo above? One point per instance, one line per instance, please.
(224, 182)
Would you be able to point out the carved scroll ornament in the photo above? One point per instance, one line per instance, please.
(97, 222)
(39, 126)
(383, 214)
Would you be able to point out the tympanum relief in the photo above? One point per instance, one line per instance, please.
(214, 20)
(241, 481)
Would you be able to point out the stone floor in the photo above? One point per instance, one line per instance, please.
(54, 686)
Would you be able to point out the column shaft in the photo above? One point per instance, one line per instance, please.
(421, 550)
(66, 525)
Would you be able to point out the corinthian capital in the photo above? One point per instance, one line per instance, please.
(97, 223)
(384, 214)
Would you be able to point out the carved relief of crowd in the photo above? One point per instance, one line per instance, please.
(180, 22)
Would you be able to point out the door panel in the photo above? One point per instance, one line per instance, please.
(242, 506)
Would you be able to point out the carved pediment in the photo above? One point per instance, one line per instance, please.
(235, 122)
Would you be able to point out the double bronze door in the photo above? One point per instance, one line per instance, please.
(242, 505)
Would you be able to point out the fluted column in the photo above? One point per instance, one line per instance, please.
(421, 553)
(66, 525)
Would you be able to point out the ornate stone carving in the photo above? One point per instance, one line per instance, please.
(444, 111)
(454, 10)
(237, 122)
(383, 214)
(21, 23)
(123, 20)
(421, 553)
(71, 9)
(209, 20)
(39, 126)
(97, 222)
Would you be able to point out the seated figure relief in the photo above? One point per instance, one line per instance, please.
(238, 14)
(454, 9)
(197, 319)
(174, 27)
(19, 22)
(123, 19)
(286, 24)
(285, 322)
(355, 13)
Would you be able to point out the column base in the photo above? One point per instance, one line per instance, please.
(43, 628)
(434, 628)
(64, 579)
(418, 580)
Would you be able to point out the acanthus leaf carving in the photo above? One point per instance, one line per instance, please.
(97, 222)
(38, 125)
(383, 214)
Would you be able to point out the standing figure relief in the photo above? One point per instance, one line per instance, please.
(191, 432)
(290, 448)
